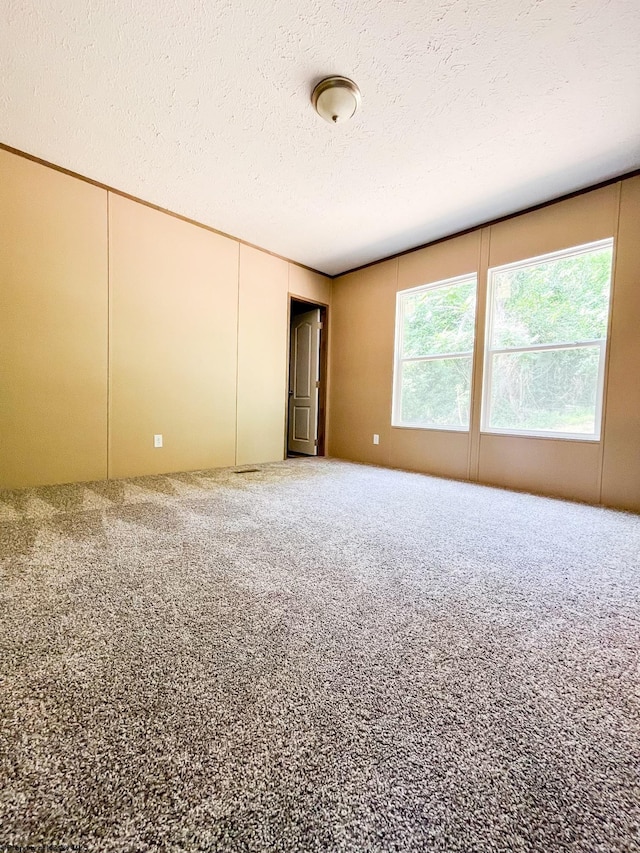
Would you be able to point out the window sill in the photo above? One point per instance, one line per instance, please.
(430, 428)
(556, 436)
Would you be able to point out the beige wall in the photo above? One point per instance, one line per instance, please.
(607, 471)
(621, 468)
(53, 326)
(559, 467)
(119, 322)
(362, 319)
(262, 356)
(309, 285)
(363, 328)
(173, 342)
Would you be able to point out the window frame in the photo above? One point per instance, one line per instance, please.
(489, 352)
(399, 360)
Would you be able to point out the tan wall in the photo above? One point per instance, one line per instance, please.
(443, 452)
(53, 326)
(621, 469)
(582, 219)
(549, 466)
(607, 471)
(170, 328)
(173, 342)
(362, 319)
(262, 356)
(309, 285)
(119, 324)
(561, 467)
(363, 329)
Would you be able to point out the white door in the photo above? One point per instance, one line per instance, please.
(304, 366)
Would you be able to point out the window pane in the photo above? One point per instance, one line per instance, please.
(554, 390)
(561, 301)
(436, 393)
(440, 320)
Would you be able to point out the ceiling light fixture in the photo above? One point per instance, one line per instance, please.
(336, 99)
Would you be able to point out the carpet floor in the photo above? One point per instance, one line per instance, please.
(316, 656)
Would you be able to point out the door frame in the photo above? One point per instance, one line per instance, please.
(323, 365)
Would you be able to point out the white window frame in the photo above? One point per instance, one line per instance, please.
(399, 361)
(489, 352)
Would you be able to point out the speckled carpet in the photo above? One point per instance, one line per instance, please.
(316, 656)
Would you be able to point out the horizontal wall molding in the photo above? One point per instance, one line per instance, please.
(556, 200)
(408, 251)
(124, 194)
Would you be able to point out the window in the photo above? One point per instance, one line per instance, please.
(546, 334)
(435, 329)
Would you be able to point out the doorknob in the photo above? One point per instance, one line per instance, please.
(291, 393)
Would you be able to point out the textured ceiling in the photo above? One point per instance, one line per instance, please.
(471, 109)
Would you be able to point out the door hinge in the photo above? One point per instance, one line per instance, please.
(317, 383)
(320, 326)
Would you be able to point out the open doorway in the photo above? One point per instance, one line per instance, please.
(306, 406)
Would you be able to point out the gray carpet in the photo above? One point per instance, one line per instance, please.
(317, 656)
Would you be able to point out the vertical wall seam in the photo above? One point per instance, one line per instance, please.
(607, 358)
(235, 454)
(386, 454)
(108, 336)
(484, 347)
(287, 370)
(473, 456)
(474, 366)
(327, 378)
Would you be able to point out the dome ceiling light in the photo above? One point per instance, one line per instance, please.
(336, 99)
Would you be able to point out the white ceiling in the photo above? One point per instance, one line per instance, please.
(471, 109)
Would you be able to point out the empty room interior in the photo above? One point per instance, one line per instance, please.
(320, 426)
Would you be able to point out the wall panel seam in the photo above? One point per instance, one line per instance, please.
(487, 266)
(482, 273)
(387, 455)
(108, 335)
(235, 454)
(287, 360)
(614, 272)
(474, 366)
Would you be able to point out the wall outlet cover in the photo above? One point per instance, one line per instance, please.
(376, 438)
(157, 441)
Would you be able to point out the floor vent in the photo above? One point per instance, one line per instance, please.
(247, 471)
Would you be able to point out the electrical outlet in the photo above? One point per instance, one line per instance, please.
(376, 438)
(157, 441)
